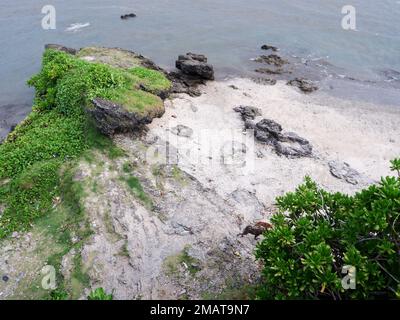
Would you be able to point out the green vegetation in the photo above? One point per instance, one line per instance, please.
(100, 294)
(317, 233)
(58, 131)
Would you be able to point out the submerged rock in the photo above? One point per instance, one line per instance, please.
(248, 112)
(272, 59)
(111, 118)
(195, 65)
(343, 171)
(268, 47)
(304, 85)
(127, 16)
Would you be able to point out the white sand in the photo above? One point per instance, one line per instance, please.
(365, 136)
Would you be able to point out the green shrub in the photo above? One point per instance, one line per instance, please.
(317, 233)
(100, 294)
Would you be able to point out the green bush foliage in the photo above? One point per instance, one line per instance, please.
(316, 233)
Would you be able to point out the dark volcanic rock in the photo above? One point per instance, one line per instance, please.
(195, 65)
(193, 71)
(271, 133)
(248, 112)
(127, 16)
(60, 48)
(268, 47)
(182, 131)
(342, 170)
(270, 126)
(111, 118)
(304, 85)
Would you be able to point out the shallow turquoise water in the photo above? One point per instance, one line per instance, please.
(228, 32)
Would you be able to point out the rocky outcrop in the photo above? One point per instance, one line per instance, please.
(195, 65)
(193, 71)
(304, 85)
(248, 112)
(61, 48)
(272, 59)
(111, 118)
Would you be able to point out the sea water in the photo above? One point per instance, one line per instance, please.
(229, 32)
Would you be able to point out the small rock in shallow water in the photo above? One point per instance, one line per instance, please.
(268, 47)
(304, 85)
(272, 59)
(127, 16)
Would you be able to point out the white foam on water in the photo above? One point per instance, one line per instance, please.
(75, 27)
